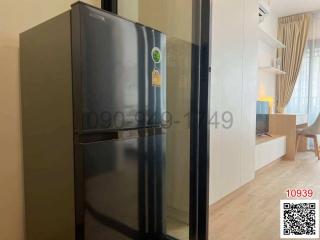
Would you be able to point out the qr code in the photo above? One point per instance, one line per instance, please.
(299, 219)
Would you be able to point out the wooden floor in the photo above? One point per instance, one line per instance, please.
(177, 229)
(252, 213)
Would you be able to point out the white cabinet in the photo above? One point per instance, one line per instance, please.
(269, 149)
(233, 89)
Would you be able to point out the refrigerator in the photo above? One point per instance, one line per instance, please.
(118, 124)
(98, 81)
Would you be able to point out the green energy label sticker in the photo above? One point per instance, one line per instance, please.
(156, 55)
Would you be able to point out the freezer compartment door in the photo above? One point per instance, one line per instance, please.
(118, 186)
(122, 72)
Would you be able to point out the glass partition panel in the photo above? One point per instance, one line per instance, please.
(174, 18)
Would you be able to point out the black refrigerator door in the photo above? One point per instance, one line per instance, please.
(119, 186)
(120, 79)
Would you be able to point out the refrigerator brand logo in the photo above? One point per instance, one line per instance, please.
(156, 55)
(96, 16)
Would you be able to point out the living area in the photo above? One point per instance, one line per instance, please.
(249, 177)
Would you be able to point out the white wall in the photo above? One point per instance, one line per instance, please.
(15, 17)
(129, 9)
(267, 81)
(233, 88)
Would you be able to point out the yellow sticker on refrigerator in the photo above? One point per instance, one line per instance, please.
(156, 78)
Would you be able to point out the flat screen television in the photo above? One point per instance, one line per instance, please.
(262, 118)
(262, 127)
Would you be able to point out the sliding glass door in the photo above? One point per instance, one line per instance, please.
(186, 26)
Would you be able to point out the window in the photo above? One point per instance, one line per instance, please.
(306, 95)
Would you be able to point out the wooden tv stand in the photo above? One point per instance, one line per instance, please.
(269, 149)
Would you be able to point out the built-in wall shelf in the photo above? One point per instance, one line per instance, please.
(272, 70)
(270, 40)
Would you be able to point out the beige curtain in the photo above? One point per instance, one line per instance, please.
(293, 32)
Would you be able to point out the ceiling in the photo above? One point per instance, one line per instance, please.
(289, 7)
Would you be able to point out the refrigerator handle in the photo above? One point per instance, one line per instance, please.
(120, 134)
